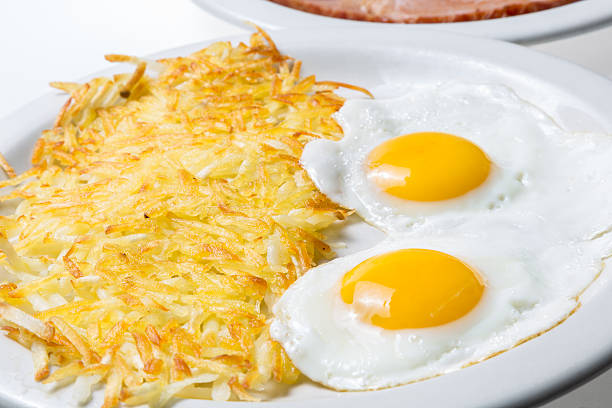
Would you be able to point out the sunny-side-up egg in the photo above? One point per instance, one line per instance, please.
(441, 150)
(514, 222)
(414, 307)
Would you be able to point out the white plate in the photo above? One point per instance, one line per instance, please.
(371, 57)
(528, 28)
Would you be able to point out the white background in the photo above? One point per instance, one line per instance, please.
(50, 40)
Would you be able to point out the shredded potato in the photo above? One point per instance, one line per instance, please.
(162, 217)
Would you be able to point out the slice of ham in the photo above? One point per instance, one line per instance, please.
(421, 11)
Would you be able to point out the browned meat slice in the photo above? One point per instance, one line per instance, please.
(421, 11)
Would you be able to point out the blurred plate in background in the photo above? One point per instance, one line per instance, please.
(535, 27)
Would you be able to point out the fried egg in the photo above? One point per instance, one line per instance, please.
(416, 306)
(506, 223)
(438, 151)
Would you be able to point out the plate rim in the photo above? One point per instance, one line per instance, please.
(555, 23)
(581, 371)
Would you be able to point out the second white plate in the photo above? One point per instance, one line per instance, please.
(530, 28)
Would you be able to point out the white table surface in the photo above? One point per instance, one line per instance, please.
(47, 40)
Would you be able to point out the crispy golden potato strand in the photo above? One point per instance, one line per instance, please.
(162, 218)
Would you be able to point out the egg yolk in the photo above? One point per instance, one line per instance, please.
(427, 166)
(411, 288)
